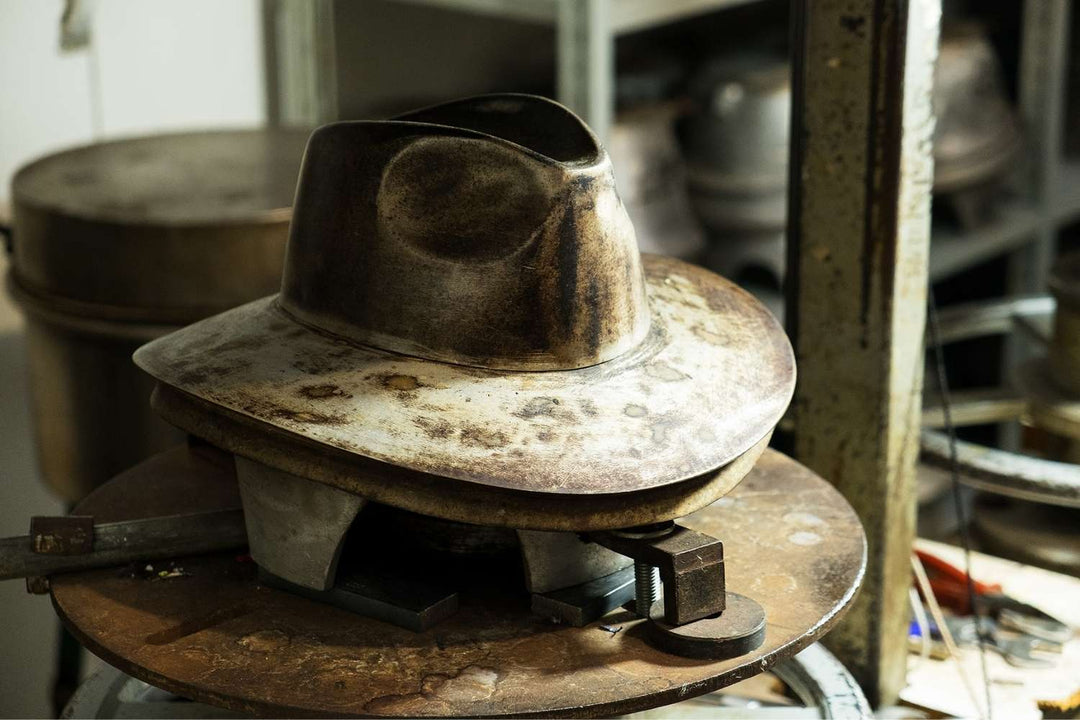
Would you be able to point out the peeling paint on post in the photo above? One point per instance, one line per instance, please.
(859, 231)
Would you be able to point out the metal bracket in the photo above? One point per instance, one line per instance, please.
(691, 566)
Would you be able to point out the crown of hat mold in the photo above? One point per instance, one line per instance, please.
(484, 232)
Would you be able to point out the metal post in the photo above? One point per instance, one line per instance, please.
(302, 83)
(585, 51)
(859, 231)
(1044, 52)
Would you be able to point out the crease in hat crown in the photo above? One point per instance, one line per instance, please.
(483, 232)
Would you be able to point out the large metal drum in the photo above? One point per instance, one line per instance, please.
(117, 243)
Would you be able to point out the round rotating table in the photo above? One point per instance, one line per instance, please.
(213, 634)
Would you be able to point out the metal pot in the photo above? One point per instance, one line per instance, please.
(118, 243)
(649, 170)
(736, 141)
(977, 135)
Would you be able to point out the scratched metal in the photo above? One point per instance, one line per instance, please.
(712, 379)
(214, 635)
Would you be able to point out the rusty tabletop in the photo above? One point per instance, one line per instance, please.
(213, 634)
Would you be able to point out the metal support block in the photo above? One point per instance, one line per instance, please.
(559, 560)
(859, 230)
(295, 526)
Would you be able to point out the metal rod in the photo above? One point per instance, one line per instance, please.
(120, 543)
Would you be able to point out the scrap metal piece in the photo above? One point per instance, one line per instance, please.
(295, 527)
(739, 629)
(691, 567)
(582, 604)
(70, 535)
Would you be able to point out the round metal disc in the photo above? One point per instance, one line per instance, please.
(736, 631)
(214, 635)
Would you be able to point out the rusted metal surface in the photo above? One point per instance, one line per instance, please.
(216, 636)
(691, 566)
(118, 243)
(445, 498)
(712, 378)
(859, 226)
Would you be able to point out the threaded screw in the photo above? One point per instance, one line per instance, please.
(646, 587)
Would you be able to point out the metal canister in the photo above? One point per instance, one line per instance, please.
(736, 145)
(117, 243)
(977, 135)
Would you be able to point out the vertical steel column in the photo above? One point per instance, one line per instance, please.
(586, 68)
(859, 231)
(1044, 53)
(304, 74)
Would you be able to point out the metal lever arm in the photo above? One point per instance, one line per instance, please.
(69, 544)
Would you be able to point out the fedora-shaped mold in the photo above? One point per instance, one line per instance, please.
(464, 234)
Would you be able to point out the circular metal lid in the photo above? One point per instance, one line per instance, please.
(170, 227)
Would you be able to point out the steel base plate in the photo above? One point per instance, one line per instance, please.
(215, 635)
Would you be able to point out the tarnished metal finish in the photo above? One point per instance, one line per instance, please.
(448, 499)
(118, 243)
(553, 561)
(295, 527)
(713, 377)
(691, 566)
(736, 631)
(1065, 346)
(859, 236)
(483, 232)
(164, 229)
(216, 636)
(977, 136)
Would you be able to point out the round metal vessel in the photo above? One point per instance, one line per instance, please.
(118, 243)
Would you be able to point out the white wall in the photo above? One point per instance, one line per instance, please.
(159, 65)
(153, 65)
